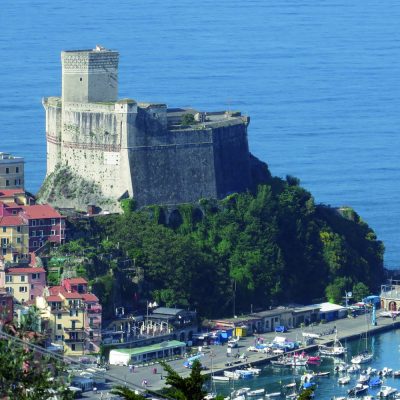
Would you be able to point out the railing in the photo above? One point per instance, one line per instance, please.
(70, 329)
(74, 340)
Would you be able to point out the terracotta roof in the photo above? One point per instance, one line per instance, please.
(55, 290)
(75, 281)
(53, 298)
(40, 211)
(90, 297)
(11, 220)
(10, 192)
(72, 295)
(23, 270)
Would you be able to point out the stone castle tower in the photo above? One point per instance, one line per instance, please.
(146, 151)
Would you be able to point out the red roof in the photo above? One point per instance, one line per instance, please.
(23, 270)
(10, 192)
(72, 295)
(55, 290)
(11, 220)
(53, 298)
(75, 281)
(38, 211)
(90, 297)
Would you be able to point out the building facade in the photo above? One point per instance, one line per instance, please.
(74, 317)
(390, 296)
(11, 171)
(6, 307)
(140, 150)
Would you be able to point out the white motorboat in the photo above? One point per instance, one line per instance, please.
(219, 378)
(387, 391)
(362, 358)
(358, 389)
(336, 350)
(232, 375)
(241, 391)
(254, 371)
(272, 395)
(387, 371)
(354, 369)
(363, 378)
(255, 393)
(344, 380)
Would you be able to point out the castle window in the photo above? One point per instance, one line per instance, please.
(17, 169)
(80, 79)
(7, 170)
(7, 182)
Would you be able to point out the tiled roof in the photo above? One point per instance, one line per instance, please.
(11, 220)
(23, 270)
(40, 211)
(55, 290)
(75, 281)
(11, 192)
(53, 298)
(72, 295)
(90, 297)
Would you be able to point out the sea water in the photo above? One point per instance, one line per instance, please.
(385, 348)
(319, 79)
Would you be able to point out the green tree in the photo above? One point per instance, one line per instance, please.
(126, 393)
(27, 375)
(190, 388)
(187, 119)
(360, 291)
(336, 290)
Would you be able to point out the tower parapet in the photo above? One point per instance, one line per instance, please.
(90, 75)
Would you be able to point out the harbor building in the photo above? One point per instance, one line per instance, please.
(390, 296)
(11, 171)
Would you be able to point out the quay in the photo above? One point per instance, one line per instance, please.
(215, 357)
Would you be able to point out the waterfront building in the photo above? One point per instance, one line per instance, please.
(73, 315)
(390, 296)
(11, 171)
(16, 197)
(147, 353)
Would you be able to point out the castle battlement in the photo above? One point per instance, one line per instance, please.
(142, 150)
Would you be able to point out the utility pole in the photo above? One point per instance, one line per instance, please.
(234, 299)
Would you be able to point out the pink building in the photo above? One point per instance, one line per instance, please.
(45, 224)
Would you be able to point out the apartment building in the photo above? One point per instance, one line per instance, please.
(6, 307)
(74, 316)
(11, 171)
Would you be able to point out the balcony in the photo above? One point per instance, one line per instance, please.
(95, 325)
(70, 329)
(74, 340)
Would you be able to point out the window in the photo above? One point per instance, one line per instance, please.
(42, 221)
(3, 303)
(17, 169)
(34, 222)
(34, 244)
(73, 312)
(32, 286)
(15, 182)
(33, 233)
(40, 233)
(4, 229)
(53, 233)
(80, 79)
(59, 316)
(18, 229)
(22, 278)
(14, 212)
(23, 289)
(73, 347)
(31, 296)
(4, 252)
(18, 240)
(62, 232)
(59, 326)
(53, 221)
(36, 276)
(9, 278)
(9, 289)
(7, 182)
(7, 170)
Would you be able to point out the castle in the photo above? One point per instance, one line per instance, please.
(155, 154)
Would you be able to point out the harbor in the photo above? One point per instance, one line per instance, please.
(216, 360)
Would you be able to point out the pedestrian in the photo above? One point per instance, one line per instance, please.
(145, 383)
(130, 368)
(161, 377)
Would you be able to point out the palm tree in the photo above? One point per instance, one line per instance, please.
(126, 393)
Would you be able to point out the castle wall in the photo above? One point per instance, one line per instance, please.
(174, 173)
(52, 107)
(231, 159)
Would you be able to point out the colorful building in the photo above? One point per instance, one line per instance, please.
(74, 316)
(390, 296)
(24, 283)
(11, 171)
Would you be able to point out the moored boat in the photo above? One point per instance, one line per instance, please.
(344, 380)
(387, 391)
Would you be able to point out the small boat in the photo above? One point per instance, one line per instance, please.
(219, 378)
(272, 395)
(387, 391)
(307, 378)
(241, 391)
(344, 380)
(341, 367)
(386, 371)
(322, 374)
(353, 369)
(371, 371)
(244, 374)
(363, 378)
(396, 374)
(254, 371)
(256, 392)
(232, 375)
(362, 358)
(337, 349)
(290, 385)
(358, 389)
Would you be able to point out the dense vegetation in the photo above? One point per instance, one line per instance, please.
(272, 247)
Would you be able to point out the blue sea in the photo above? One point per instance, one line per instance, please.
(320, 80)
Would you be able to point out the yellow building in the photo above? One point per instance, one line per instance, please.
(65, 313)
(14, 238)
